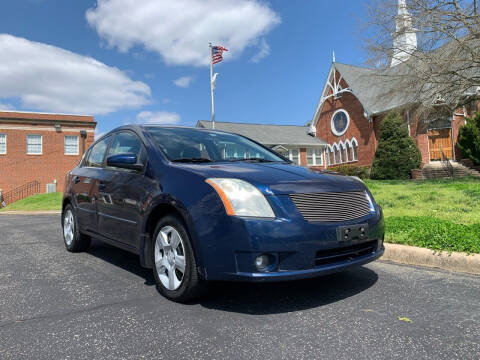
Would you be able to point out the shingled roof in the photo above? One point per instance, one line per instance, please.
(379, 90)
(374, 87)
(269, 135)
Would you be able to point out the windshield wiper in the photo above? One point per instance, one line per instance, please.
(254, 159)
(193, 160)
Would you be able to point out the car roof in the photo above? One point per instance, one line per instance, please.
(144, 127)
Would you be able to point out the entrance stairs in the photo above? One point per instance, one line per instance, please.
(439, 170)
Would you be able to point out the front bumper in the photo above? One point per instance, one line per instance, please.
(285, 275)
(229, 246)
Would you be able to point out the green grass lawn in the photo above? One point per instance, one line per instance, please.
(435, 214)
(51, 201)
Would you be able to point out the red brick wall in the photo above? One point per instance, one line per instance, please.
(303, 156)
(360, 128)
(18, 168)
(367, 132)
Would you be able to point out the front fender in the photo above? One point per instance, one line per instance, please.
(160, 204)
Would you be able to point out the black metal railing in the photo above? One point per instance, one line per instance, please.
(20, 192)
(447, 165)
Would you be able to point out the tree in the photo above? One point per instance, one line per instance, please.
(396, 153)
(469, 139)
(443, 65)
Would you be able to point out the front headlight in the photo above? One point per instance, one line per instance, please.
(241, 198)
(370, 202)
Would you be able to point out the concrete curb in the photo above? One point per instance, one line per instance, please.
(40, 212)
(412, 255)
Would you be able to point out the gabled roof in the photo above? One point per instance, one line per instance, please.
(378, 90)
(269, 135)
(373, 87)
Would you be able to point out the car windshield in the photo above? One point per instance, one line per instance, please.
(193, 145)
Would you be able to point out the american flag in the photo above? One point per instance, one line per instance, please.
(217, 54)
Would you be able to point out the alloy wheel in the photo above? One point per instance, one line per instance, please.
(68, 227)
(170, 257)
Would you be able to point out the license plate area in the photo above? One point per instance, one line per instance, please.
(352, 232)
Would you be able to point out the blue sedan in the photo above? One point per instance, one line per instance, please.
(198, 205)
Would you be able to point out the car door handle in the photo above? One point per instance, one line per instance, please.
(76, 180)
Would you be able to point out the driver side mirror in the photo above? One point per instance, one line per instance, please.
(124, 161)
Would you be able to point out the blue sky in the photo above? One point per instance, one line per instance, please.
(141, 60)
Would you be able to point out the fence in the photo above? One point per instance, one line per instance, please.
(21, 192)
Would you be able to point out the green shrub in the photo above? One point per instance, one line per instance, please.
(353, 170)
(469, 139)
(396, 155)
(433, 233)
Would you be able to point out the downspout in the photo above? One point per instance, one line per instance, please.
(83, 135)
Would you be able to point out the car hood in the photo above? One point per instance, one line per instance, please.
(278, 178)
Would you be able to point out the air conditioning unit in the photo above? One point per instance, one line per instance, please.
(51, 188)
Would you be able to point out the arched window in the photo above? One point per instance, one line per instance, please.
(348, 151)
(330, 158)
(337, 154)
(343, 156)
(355, 149)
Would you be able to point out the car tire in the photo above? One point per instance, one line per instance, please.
(74, 241)
(167, 258)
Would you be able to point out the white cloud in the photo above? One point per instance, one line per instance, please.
(158, 117)
(5, 106)
(263, 51)
(180, 30)
(49, 78)
(98, 134)
(183, 82)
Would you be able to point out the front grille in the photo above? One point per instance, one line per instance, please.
(332, 206)
(344, 254)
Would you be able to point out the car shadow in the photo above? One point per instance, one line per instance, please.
(281, 297)
(122, 259)
(256, 298)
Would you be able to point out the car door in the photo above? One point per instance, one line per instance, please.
(122, 191)
(84, 185)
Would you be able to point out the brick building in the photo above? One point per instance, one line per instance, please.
(355, 100)
(41, 148)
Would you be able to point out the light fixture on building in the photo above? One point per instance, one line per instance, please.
(58, 128)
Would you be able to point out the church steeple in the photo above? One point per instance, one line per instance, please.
(405, 36)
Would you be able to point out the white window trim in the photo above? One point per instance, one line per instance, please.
(41, 144)
(65, 147)
(354, 143)
(4, 153)
(348, 146)
(315, 157)
(330, 151)
(290, 156)
(340, 147)
(336, 149)
(332, 125)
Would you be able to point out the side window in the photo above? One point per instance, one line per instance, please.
(97, 153)
(128, 143)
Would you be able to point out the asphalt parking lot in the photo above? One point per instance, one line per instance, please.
(102, 304)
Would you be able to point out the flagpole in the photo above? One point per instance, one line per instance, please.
(211, 87)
